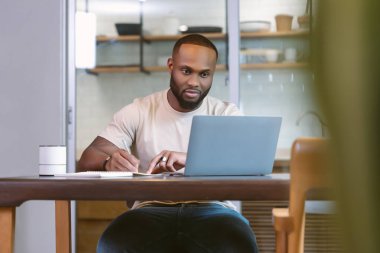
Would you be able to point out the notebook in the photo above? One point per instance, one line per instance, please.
(232, 145)
(107, 174)
(96, 174)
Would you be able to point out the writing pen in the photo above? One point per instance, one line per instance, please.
(126, 146)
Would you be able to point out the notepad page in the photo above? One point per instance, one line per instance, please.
(116, 174)
(97, 174)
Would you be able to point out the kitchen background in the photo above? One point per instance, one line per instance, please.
(274, 91)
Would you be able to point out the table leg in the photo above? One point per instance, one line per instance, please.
(62, 226)
(7, 229)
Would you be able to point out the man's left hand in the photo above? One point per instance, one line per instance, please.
(167, 161)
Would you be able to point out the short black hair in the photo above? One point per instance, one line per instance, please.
(194, 39)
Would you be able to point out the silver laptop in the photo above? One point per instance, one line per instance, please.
(232, 145)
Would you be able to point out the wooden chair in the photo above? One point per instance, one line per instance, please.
(307, 172)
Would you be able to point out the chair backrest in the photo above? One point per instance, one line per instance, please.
(308, 171)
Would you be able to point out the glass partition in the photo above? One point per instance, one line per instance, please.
(276, 78)
(131, 64)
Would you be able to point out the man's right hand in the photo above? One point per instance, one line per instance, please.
(121, 160)
(95, 157)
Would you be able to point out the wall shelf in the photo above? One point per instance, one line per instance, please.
(277, 65)
(121, 38)
(219, 67)
(131, 38)
(293, 33)
(135, 69)
(216, 36)
(114, 69)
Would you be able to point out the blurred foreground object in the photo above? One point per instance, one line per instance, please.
(308, 173)
(347, 60)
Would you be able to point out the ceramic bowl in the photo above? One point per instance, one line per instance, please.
(255, 26)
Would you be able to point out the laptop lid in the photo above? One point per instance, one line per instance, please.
(232, 145)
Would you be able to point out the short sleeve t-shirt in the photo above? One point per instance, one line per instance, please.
(150, 125)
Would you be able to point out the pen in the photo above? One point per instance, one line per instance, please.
(126, 145)
(129, 151)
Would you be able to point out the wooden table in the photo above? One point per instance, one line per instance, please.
(15, 191)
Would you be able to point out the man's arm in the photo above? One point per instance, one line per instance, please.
(104, 155)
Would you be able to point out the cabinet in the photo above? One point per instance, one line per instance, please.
(213, 36)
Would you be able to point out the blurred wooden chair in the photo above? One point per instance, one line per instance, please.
(308, 172)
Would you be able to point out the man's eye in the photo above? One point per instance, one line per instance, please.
(205, 74)
(186, 71)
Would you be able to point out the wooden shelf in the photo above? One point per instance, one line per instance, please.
(215, 36)
(279, 65)
(114, 69)
(121, 38)
(135, 69)
(126, 38)
(219, 67)
(293, 33)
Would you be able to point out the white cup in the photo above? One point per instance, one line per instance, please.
(290, 54)
(271, 55)
(52, 160)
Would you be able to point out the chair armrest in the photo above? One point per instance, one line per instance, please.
(282, 222)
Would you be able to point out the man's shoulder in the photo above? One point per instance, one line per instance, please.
(142, 104)
(153, 98)
(213, 100)
(217, 106)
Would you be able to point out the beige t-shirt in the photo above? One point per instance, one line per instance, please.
(150, 125)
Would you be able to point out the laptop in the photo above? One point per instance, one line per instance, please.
(232, 145)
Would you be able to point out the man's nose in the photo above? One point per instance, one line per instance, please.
(193, 80)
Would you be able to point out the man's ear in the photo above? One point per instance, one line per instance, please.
(170, 64)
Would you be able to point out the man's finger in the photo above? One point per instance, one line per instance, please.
(131, 159)
(154, 163)
(169, 165)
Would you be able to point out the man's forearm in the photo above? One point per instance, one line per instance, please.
(92, 159)
(95, 155)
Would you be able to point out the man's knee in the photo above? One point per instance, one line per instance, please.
(135, 230)
(118, 235)
(223, 230)
(232, 226)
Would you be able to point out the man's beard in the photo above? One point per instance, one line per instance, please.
(188, 105)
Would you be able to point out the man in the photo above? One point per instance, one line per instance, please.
(151, 135)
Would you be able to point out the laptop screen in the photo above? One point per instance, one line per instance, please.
(232, 145)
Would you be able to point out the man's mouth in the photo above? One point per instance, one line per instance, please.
(191, 93)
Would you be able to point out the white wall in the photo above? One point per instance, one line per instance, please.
(31, 102)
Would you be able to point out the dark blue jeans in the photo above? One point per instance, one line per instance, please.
(191, 228)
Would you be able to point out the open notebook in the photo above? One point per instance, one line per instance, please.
(97, 174)
(112, 174)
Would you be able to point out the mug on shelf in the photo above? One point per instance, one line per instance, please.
(272, 55)
(290, 54)
(284, 22)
